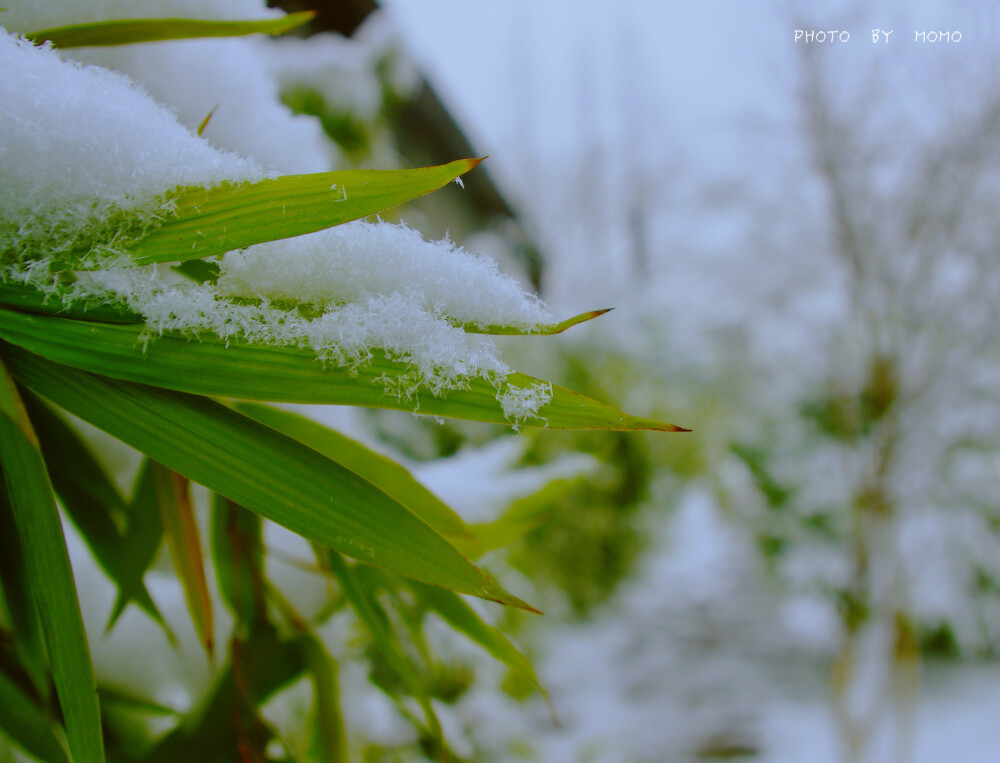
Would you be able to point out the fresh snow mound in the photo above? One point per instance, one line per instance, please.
(356, 260)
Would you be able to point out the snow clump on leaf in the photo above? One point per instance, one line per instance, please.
(87, 158)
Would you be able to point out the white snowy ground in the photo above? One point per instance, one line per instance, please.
(957, 720)
(692, 655)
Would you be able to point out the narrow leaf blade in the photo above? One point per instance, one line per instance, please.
(139, 545)
(373, 617)
(23, 721)
(90, 498)
(391, 478)
(208, 221)
(180, 529)
(128, 31)
(282, 374)
(330, 738)
(52, 582)
(463, 618)
(15, 582)
(545, 329)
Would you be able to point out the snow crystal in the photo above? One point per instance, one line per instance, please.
(359, 259)
(520, 403)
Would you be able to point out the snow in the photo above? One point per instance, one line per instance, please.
(356, 260)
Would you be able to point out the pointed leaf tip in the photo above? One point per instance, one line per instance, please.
(210, 221)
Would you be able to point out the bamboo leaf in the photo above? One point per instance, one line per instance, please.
(204, 123)
(128, 31)
(91, 500)
(16, 586)
(181, 532)
(390, 477)
(263, 470)
(545, 329)
(139, 544)
(282, 374)
(51, 576)
(24, 722)
(124, 700)
(229, 216)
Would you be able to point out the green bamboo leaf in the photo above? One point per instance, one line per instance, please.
(282, 374)
(51, 576)
(544, 329)
(269, 473)
(124, 700)
(204, 123)
(463, 618)
(89, 496)
(390, 477)
(139, 544)
(25, 724)
(16, 587)
(180, 529)
(128, 31)
(207, 221)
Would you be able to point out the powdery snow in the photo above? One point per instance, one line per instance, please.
(80, 143)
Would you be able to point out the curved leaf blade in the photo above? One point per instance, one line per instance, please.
(88, 495)
(282, 374)
(129, 31)
(544, 329)
(180, 529)
(263, 470)
(391, 478)
(208, 221)
(23, 721)
(51, 576)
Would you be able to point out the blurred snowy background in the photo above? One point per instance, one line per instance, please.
(800, 241)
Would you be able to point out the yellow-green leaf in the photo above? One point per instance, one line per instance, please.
(128, 31)
(545, 329)
(180, 529)
(207, 221)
